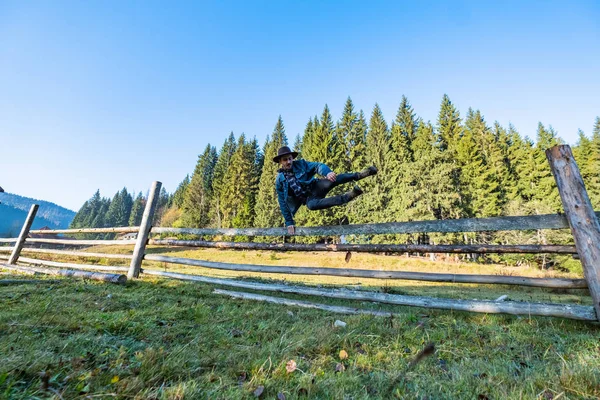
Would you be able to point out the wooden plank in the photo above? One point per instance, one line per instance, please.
(523, 223)
(378, 274)
(144, 232)
(76, 253)
(23, 235)
(372, 248)
(124, 229)
(580, 214)
(585, 313)
(36, 261)
(8, 240)
(83, 242)
(98, 276)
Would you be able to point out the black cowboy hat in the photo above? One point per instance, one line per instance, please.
(284, 151)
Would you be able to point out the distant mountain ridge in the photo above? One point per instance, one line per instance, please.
(14, 209)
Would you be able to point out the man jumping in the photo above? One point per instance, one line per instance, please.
(296, 185)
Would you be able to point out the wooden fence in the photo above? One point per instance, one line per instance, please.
(579, 217)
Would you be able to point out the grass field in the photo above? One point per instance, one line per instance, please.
(167, 339)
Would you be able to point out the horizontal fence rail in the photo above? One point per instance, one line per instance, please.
(125, 229)
(372, 248)
(483, 306)
(83, 242)
(8, 240)
(47, 263)
(99, 276)
(524, 223)
(70, 253)
(376, 274)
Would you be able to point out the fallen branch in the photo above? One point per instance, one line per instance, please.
(299, 303)
(98, 276)
(585, 313)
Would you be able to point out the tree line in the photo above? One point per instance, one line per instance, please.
(122, 210)
(454, 167)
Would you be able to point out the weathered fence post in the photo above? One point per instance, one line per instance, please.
(144, 232)
(580, 214)
(14, 256)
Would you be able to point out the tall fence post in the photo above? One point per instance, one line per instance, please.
(14, 256)
(144, 232)
(580, 214)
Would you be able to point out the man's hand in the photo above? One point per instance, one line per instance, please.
(291, 230)
(331, 176)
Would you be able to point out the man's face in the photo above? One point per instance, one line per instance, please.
(286, 161)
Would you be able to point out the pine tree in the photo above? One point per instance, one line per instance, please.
(322, 143)
(399, 161)
(307, 140)
(596, 131)
(593, 169)
(298, 145)
(197, 197)
(99, 220)
(479, 182)
(80, 216)
(546, 192)
(449, 125)
(240, 181)
(220, 171)
(588, 161)
(267, 206)
(110, 219)
(125, 211)
(119, 210)
(137, 210)
(374, 201)
(582, 150)
(94, 207)
(179, 194)
(345, 138)
(431, 195)
(403, 131)
(499, 161)
(358, 144)
(347, 144)
(256, 160)
(448, 135)
(521, 164)
(161, 206)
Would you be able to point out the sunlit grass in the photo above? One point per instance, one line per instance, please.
(168, 339)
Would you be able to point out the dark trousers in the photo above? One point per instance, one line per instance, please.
(318, 190)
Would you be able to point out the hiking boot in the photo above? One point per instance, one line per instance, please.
(369, 171)
(354, 193)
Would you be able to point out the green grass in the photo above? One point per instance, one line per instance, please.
(167, 339)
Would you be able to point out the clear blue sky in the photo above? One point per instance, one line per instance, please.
(106, 94)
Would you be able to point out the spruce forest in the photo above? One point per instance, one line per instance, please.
(455, 167)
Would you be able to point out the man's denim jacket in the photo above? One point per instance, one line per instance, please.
(305, 172)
